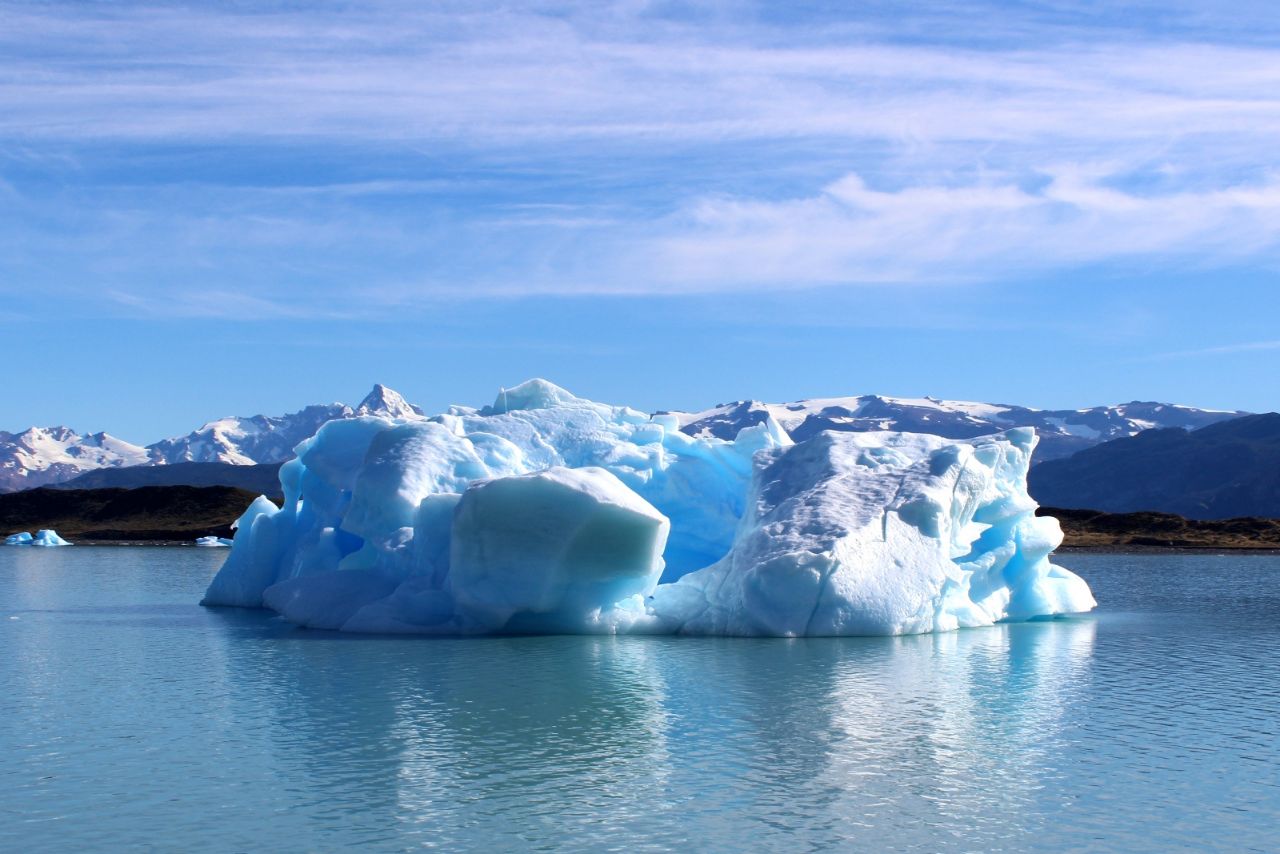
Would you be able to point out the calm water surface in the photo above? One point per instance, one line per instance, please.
(131, 718)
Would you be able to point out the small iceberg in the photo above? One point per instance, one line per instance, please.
(212, 542)
(43, 537)
(48, 537)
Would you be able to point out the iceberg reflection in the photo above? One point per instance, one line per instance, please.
(539, 735)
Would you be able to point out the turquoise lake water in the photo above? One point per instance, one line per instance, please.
(131, 718)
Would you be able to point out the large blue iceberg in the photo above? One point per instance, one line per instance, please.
(549, 513)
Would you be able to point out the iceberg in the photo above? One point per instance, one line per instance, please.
(881, 534)
(549, 513)
(48, 538)
(212, 542)
(43, 537)
(552, 547)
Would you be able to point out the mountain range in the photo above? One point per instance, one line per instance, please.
(1062, 432)
(44, 456)
(58, 455)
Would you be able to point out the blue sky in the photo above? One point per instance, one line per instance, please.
(218, 208)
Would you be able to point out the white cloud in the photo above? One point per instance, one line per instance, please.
(495, 77)
(207, 304)
(851, 233)
(959, 162)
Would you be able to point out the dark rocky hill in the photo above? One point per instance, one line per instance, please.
(1221, 471)
(260, 479)
(156, 513)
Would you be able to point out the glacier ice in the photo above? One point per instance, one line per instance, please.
(881, 534)
(43, 537)
(212, 542)
(551, 547)
(546, 512)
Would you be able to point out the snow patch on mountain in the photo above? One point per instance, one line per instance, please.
(272, 439)
(246, 441)
(43, 455)
(1062, 432)
(389, 404)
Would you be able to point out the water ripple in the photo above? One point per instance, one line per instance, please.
(131, 719)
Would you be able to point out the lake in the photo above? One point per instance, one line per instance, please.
(132, 718)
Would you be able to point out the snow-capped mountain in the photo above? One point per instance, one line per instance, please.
(43, 455)
(1062, 432)
(271, 439)
(388, 402)
(246, 441)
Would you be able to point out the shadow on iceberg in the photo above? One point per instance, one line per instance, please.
(547, 513)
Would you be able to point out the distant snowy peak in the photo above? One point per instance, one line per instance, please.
(1062, 432)
(44, 455)
(271, 439)
(388, 402)
(246, 441)
(47, 455)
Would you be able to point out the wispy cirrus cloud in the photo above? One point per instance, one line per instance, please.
(467, 76)
(394, 154)
(851, 232)
(1217, 350)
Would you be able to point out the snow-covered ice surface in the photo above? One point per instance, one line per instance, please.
(881, 534)
(549, 513)
(44, 537)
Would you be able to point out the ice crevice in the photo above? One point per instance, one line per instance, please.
(549, 513)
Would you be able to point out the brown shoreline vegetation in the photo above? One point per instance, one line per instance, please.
(146, 514)
(1093, 529)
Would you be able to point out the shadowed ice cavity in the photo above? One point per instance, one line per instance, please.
(936, 733)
